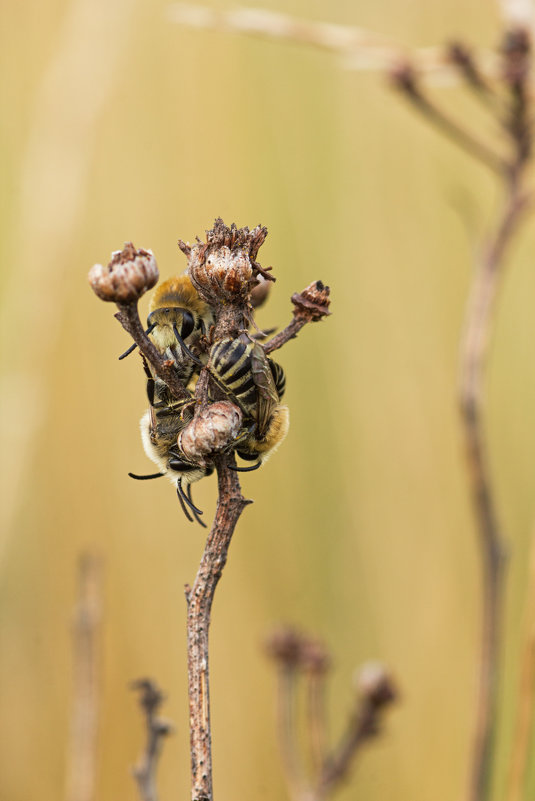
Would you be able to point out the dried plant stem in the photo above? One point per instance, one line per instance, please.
(82, 756)
(526, 696)
(286, 729)
(199, 599)
(316, 718)
(361, 49)
(474, 347)
(404, 78)
(145, 771)
(284, 336)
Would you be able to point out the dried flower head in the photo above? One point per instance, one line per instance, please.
(285, 645)
(375, 683)
(127, 277)
(210, 431)
(224, 268)
(312, 304)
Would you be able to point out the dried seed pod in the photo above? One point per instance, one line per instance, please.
(223, 269)
(127, 277)
(211, 431)
(375, 683)
(285, 645)
(313, 302)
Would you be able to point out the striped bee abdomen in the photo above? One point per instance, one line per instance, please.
(230, 366)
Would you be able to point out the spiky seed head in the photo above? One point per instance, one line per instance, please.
(223, 269)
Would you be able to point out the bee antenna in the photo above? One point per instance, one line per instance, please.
(244, 469)
(134, 346)
(183, 505)
(195, 515)
(185, 347)
(145, 478)
(185, 498)
(128, 352)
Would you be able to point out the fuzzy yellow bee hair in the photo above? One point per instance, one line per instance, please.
(176, 310)
(178, 291)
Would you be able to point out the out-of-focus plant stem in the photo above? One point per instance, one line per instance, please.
(82, 749)
(474, 350)
(526, 695)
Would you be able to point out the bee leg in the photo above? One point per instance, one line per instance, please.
(195, 515)
(185, 347)
(240, 437)
(183, 505)
(144, 478)
(244, 469)
(134, 346)
(185, 498)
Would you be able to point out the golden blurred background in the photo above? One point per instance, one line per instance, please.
(119, 125)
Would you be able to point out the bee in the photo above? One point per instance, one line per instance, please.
(160, 427)
(177, 320)
(242, 371)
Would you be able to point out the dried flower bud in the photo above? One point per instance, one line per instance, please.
(223, 269)
(211, 431)
(375, 683)
(312, 303)
(404, 78)
(285, 645)
(151, 697)
(127, 277)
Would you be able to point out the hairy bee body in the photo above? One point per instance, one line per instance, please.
(159, 435)
(177, 320)
(256, 384)
(160, 443)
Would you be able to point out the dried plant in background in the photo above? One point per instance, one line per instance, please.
(150, 700)
(512, 108)
(300, 659)
(502, 82)
(225, 271)
(86, 635)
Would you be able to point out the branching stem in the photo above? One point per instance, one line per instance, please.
(474, 348)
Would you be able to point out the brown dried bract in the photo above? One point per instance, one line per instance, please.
(127, 277)
(211, 431)
(312, 304)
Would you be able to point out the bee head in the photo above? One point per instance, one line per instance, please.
(172, 316)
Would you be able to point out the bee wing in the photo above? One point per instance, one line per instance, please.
(267, 395)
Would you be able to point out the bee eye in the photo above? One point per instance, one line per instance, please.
(188, 324)
(180, 465)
